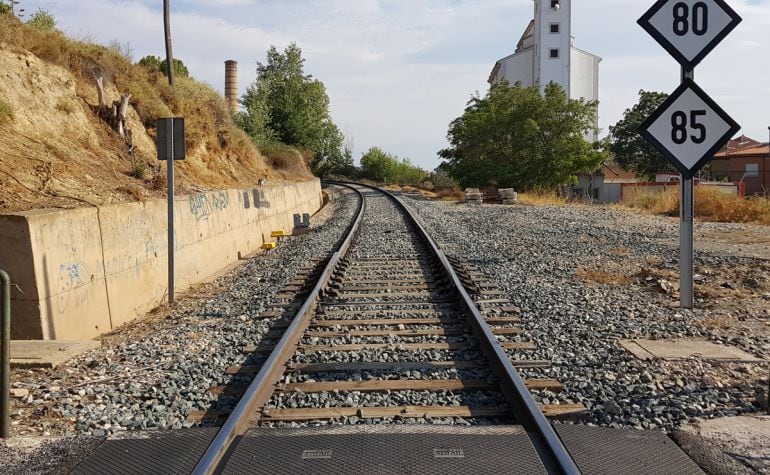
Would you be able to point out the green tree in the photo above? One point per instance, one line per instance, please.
(154, 63)
(42, 20)
(631, 151)
(5, 9)
(380, 166)
(284, 104)
(441, 179)
(516, 137)
(150, 62)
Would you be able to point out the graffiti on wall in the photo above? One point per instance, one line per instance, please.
(203, 205)
(260, 202)
(72, 283)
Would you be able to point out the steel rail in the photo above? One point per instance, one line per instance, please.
(552, 452)
(261, 388)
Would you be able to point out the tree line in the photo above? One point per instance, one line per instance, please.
(518, 137)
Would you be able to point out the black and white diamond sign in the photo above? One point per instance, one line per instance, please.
(689, 128)
(689, 29)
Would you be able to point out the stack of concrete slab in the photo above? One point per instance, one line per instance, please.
(474, 196)
(508, 196)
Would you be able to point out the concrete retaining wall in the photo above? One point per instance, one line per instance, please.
(87, 271)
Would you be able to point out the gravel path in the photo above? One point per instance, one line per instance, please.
(153, 374)
(585, 277)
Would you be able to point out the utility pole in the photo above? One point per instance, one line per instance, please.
(169, 52)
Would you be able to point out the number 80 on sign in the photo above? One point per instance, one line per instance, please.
(689, 29)
(689, 128)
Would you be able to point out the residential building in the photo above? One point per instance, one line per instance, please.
(605, 185)
(745, 161)
(546, 53)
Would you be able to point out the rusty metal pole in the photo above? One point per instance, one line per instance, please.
(5, 354)
(169, 52)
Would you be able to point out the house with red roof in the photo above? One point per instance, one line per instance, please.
(746, 161)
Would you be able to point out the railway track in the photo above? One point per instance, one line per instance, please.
(390, 330)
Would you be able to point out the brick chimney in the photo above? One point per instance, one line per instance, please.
(231, 84)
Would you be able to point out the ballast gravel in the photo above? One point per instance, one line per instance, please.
(153, 374)
(584, 277)
(385, 233)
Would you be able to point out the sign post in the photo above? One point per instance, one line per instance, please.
(689, 127)
(171, 146)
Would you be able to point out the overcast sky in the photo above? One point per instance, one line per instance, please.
(398, 71)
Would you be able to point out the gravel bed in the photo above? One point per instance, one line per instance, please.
(154, 373)
(54, 455)
(369, 375)
(385, 233)
(392, 355)
(585, 277)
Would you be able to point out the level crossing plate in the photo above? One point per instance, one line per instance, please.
(689, 29)
(688, 128)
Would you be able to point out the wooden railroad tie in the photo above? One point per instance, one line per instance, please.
(410, 412)
(310, 368)
(552, 411)
(376, 385)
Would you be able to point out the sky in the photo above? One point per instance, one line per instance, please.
(399, 71)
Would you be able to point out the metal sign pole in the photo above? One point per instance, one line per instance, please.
(5, 354)
(686, 238)
(170, 192)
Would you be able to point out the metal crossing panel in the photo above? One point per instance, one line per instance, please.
(602, 451)
(150, 453)
(391, 450)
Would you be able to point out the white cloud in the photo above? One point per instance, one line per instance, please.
(398, 71)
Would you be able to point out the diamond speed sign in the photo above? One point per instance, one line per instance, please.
(689, 29)
(688, 128)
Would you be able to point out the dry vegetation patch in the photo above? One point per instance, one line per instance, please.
(711, 204)
(89, 162)
(6, 112)
(542, 198)
(604, 276)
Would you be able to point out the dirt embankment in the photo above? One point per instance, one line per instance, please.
(55, 151)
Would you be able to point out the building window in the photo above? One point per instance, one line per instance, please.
(554, 53)
(555, 4)
(752, 170)
(595, 193)
(555, 28)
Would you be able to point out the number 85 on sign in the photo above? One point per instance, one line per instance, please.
(688, 128)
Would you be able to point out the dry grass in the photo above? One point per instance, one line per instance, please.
(603, 276)
(6, 112)
(133, 191)
(288, 160)
(220, 154)
(621, 251)
(447, 194)
(541, 198)
(719, 322)
(138, 169)
(710, 205)
(65, 105)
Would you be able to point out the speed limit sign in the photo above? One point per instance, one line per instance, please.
(688, 128)
(689, 29)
